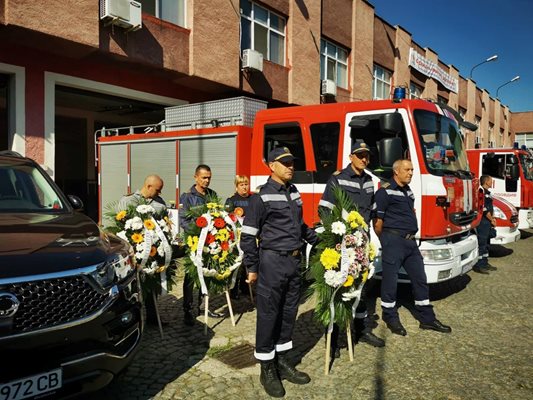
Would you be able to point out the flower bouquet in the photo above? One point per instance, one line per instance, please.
(341, 265)
(150, 235)
(213, 252)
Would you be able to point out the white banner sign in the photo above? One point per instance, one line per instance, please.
(429, 68)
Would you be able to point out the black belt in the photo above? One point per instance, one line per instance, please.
(287, 253)
(408, 236)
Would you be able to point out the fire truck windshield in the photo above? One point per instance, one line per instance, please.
(527, 166)
(442, 143)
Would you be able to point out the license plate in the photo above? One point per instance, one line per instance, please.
(31, 385)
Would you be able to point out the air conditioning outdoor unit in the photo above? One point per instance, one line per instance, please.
(124, 13)
(491, 144)
(328, 88)
(478, 140)
(252, 60)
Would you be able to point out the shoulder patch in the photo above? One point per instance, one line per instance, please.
(385, 185)
(336, 173)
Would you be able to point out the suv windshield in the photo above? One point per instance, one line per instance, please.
(24, 188)
(527, 166)
(442, 143)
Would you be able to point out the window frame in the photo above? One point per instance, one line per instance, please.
(157, 14)
(417, 92)
(324, 56)
(376, 79)
(253, 21)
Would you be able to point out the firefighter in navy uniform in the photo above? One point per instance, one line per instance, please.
(271, 238)
(396, 225)
(355, 182)
(483, 230)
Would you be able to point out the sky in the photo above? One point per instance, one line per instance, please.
(465, 33)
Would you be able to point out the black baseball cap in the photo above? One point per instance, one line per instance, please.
(359, 147)
(280, 154)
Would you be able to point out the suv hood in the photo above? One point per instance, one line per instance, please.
(44, 243)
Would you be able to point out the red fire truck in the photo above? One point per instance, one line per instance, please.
(233, 136)
(506, 222)
(512, 174)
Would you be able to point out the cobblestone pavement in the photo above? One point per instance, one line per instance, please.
(487, 356)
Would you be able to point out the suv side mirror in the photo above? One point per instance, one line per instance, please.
(76, 202)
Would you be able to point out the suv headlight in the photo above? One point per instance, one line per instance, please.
(116, 269)
(437, 254)
(498, 213)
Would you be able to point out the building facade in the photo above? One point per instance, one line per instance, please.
(65, 72)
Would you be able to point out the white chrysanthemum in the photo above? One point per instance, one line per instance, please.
(334, 278)
(139, 247)
(338, 228)
(161, 250)
(350, 254)
(122, 235)
(145, 209)
(162, 223)
(139, 256)
(136, 223)
(358, 238)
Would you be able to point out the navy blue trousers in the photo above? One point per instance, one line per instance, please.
(398, 252)
(483, 241)
(278, 294)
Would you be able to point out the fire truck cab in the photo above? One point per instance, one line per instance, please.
(320, 136)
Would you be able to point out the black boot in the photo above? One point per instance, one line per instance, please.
(270, 379)
(365, 335)
(288, 371)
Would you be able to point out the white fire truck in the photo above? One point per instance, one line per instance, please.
(233, 136)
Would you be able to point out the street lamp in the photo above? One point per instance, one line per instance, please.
(506, 83)
(491, 58)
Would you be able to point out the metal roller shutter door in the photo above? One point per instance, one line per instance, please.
(157, 158)
(219, 153)
(113, 174)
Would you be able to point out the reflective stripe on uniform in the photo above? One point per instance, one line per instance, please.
(388, 305)
(422, 302)
(368, 184)
(273, 197)
(361, 315)
(394, 192)
(284, 346)
(265, 356)
(344, 182)
(374, 206)
(295, 195)
(327, 204)
(249, 230)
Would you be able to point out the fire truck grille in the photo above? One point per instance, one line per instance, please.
(463, 218)
(514, 218)
(51, 302)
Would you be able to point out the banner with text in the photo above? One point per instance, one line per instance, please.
(429, 68)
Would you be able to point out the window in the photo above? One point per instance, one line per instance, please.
(168, 10)
(415, 91)
(442, 100)
(262, 31)
(288, 134)
(325, 137)
(334, 63)
(381, 84)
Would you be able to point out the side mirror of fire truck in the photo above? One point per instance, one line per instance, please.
(357, 122)
(469, 125)
(390, 150)
(391, 124)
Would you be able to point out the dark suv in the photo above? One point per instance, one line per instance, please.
(70, 311)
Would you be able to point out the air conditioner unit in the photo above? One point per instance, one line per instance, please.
(491, 144)
(124, 13)
(478, 140)
(328, 88)
(252, 60)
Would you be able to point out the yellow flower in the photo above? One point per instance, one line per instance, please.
(222, 235)
(215, 256)
(364, 277)
(349, 281)
(149, 224)
(137, 237)
(211, 206)
(353, 224)
(120, 216)
(160, 269)
(223, 256)
(192, 242)
(329, 258)
(215, 214)
(371, 251)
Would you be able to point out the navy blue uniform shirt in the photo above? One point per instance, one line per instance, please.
(274, 217)
(190, 199)
(359, 188)
(237, 201)
(395, 206)
(487, 204)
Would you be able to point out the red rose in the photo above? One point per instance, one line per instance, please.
(219, 223)
(231, 235)
(233, 217)
(209, 239)
(201, 222)
(224, 246)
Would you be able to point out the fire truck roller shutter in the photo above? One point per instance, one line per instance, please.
(219, 153)
(154, 157)
(113, 174)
